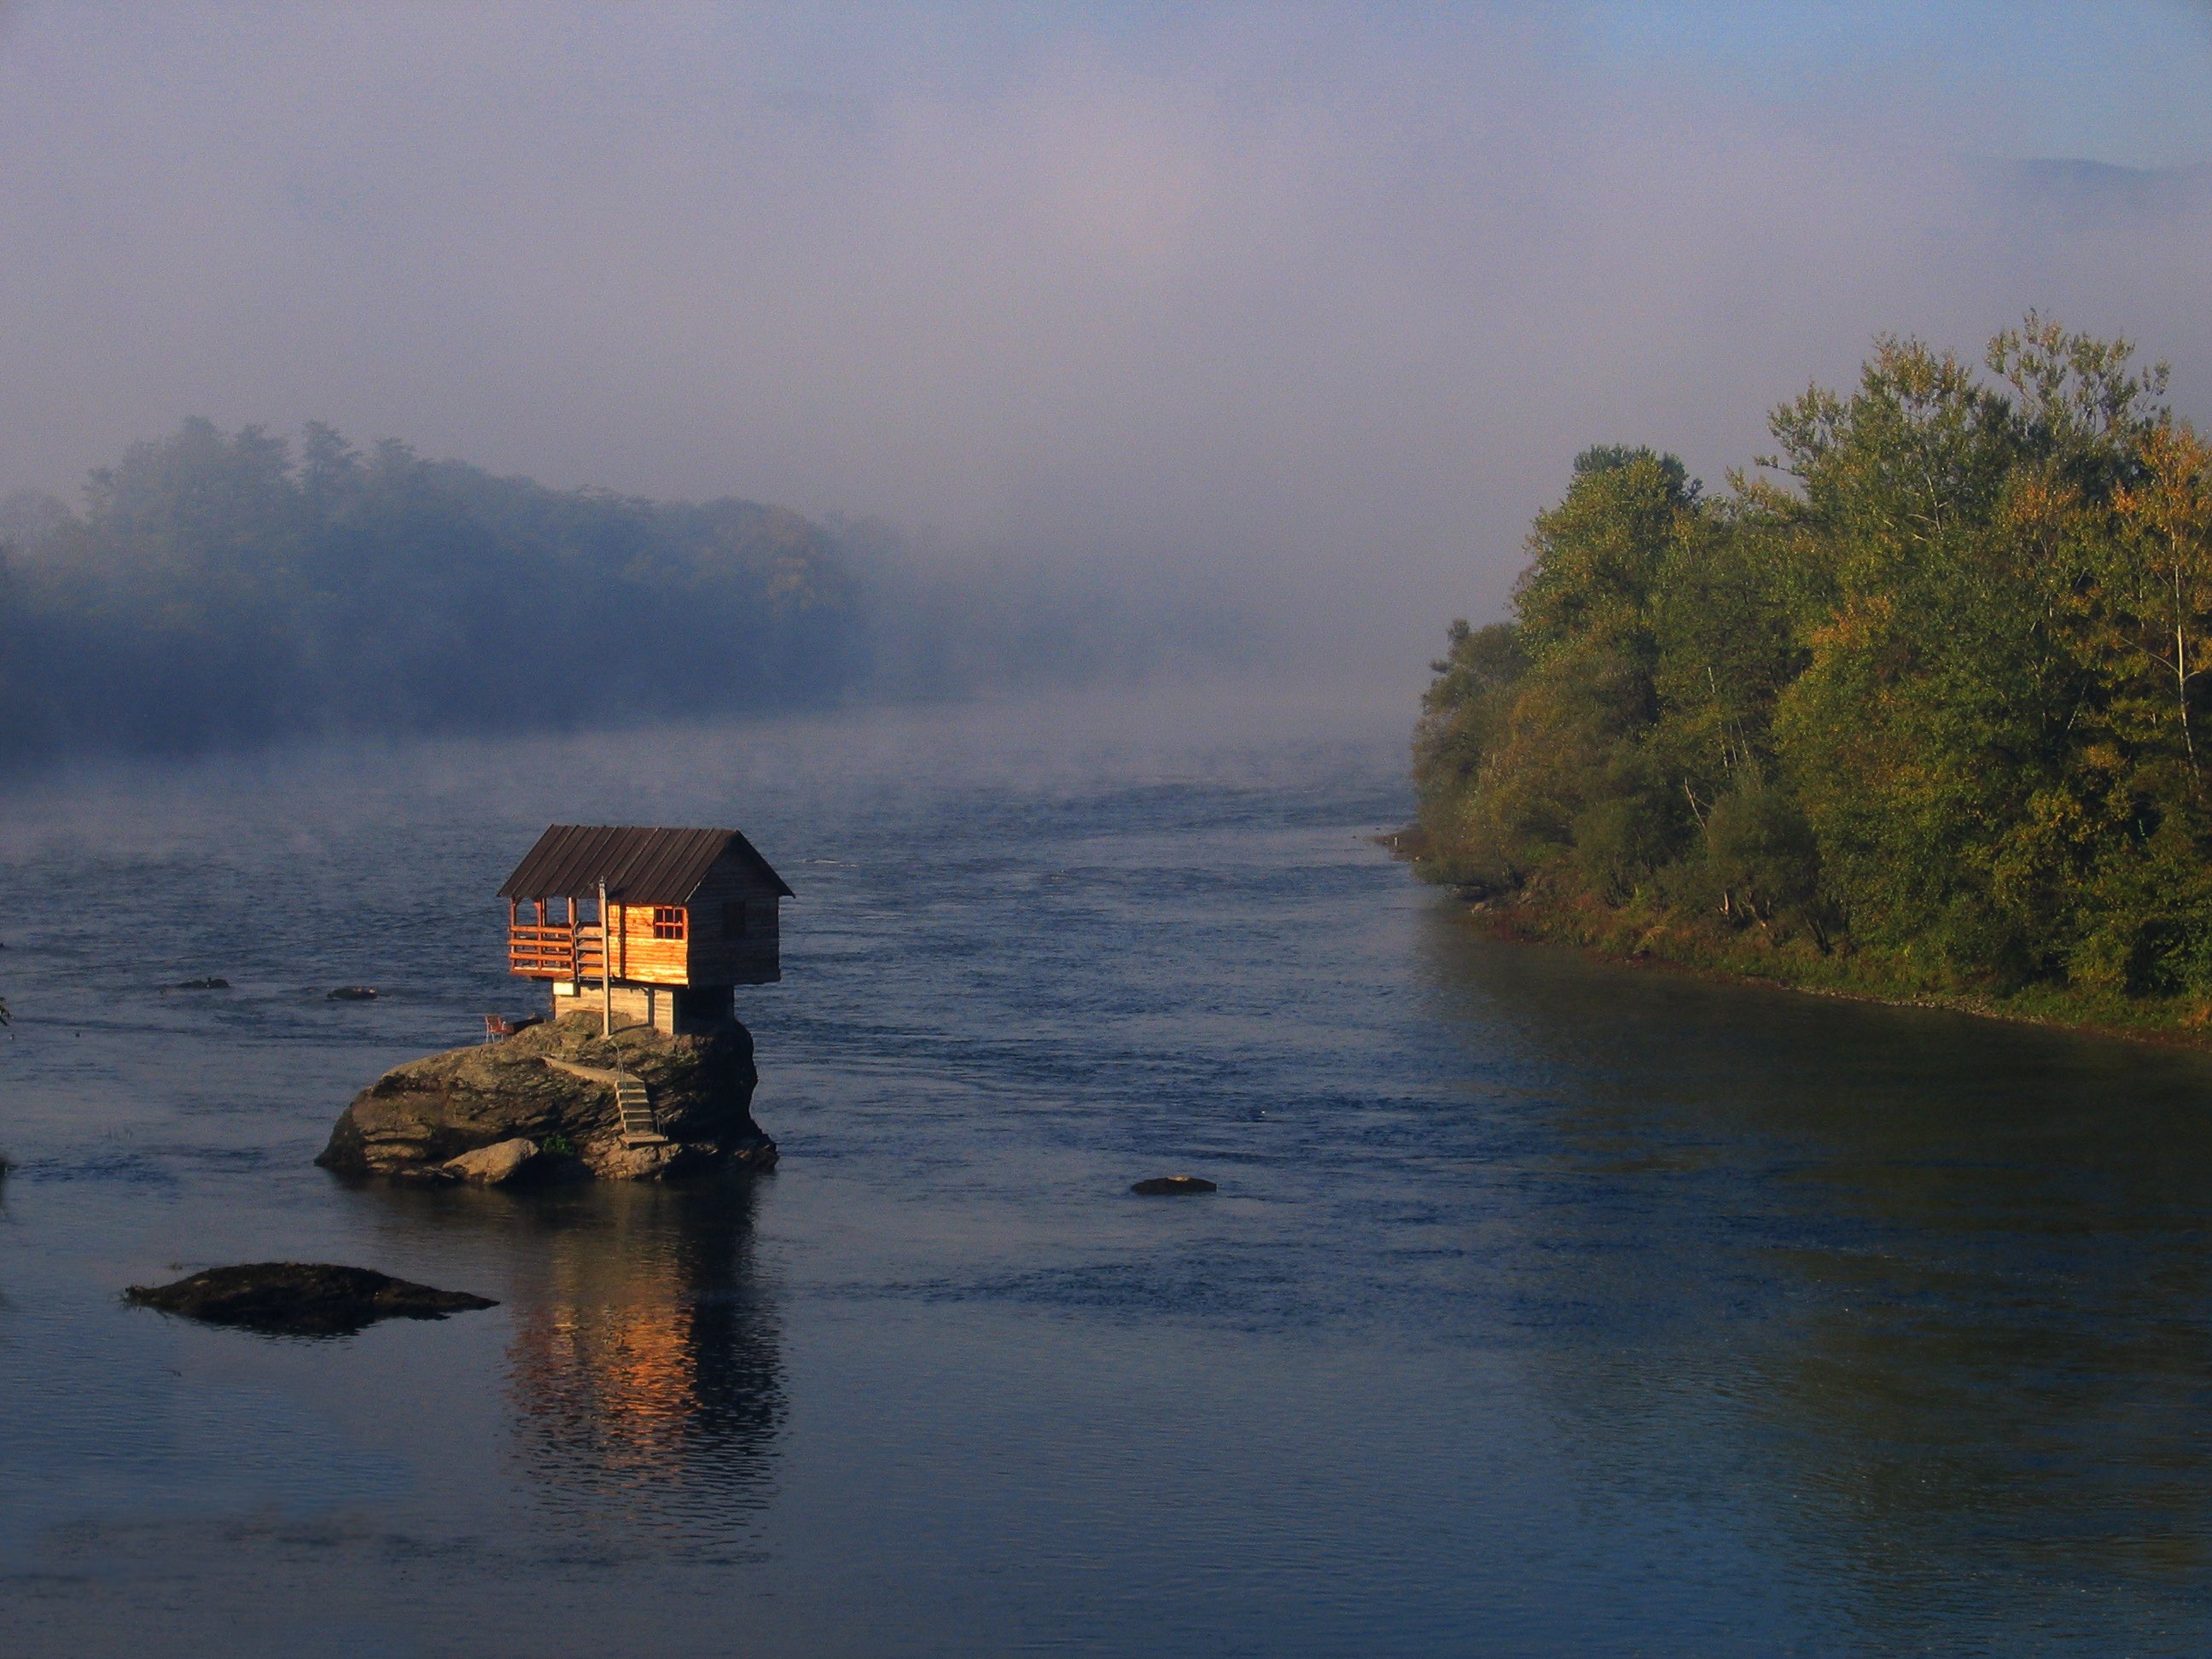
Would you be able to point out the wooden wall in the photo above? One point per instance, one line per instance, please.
(640, 956)
(705, 955)
(718, 960)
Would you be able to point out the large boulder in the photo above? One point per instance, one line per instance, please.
(418, 1118)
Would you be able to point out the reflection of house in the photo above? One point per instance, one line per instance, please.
(659, 924)
(646, 1367)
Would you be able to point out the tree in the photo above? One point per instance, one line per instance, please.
(2156, 587)
(1937, 692)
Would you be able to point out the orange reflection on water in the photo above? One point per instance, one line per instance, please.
(646, 1372)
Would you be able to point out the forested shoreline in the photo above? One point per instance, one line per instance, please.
(221, 589)
(1916, 708)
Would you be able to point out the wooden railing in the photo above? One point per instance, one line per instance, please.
(555, 953)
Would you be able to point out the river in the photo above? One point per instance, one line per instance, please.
(1545, 1306)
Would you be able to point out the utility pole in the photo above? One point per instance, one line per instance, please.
(606, 967)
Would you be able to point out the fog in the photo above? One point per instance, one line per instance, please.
(1292, 314)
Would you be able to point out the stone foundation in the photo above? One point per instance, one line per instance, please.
(672, 1010)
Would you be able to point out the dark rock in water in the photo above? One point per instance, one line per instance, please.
(351, 994)
(301, 1298)
(424, 1175)
(1161, 1186)
(210, 984)
(550, 1085)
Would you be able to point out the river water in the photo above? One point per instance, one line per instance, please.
(1545, 1306)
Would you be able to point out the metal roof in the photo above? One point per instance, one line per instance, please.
(640, 866)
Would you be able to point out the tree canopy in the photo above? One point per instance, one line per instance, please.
(1927, 692)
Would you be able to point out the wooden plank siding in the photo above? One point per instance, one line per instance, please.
(642, 958)
(705, 955)
(718, 959)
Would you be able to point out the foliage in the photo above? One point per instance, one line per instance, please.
(1926, 699)
(219, 588)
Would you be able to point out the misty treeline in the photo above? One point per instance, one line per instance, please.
(1923, 703)
(220, 589)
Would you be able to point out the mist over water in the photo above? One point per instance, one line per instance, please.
(1545, 1306)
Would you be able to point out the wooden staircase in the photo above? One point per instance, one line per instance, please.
(634, 1103)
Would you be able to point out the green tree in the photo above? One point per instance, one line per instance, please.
(1463, 719)
(1932, 693)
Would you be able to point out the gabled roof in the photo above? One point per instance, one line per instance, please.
(640, 866)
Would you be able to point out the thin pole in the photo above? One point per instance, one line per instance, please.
(606, 969)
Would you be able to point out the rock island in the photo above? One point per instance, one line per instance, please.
(641, 936)
(552, 1088)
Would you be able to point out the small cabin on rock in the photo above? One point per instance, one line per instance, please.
(654, 926)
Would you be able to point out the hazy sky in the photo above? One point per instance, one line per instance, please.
(1313, 304)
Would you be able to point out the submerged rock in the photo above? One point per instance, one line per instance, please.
(1164, 1186)
(301, 1298)
(548, 1086)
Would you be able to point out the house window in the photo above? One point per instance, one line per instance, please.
(668, 921)
(733, 919)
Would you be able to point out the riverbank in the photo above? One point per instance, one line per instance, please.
(1753, 957)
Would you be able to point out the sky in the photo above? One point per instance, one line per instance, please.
(1309, 308)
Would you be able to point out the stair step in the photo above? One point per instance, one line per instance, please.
(634, 1108)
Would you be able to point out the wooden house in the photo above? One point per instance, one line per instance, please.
(650, 926)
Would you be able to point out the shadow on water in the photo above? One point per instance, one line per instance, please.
(1933, 1288)
(645, 1372)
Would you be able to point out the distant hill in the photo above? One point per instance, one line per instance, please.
(2100, 186)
